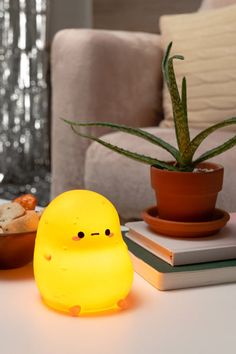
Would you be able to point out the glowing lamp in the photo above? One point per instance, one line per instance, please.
(81, 263)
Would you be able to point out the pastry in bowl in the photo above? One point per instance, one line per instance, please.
(18, 227)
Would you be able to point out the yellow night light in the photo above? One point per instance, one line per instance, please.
(81, 263)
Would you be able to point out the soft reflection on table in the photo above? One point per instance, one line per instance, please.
(199, 320)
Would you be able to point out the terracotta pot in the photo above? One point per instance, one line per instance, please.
(187, 196)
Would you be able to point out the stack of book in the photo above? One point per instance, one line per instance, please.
(172, 263)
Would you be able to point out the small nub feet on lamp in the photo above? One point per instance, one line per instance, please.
(74, 311)
(123, 304)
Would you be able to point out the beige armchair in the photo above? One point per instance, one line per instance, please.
(114, 76)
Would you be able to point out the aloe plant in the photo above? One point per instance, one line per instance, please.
(184, 155)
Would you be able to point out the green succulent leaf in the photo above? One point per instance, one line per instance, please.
(196, 142)
(132, 155)
(184, 98)
(216, 151)
(133, 131)
(165, 61)
(179, 105)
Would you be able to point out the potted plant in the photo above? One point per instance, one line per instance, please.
(186, 188)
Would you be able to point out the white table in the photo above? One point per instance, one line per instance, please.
(200, 320)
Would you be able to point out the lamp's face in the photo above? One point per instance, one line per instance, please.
(86, 223)
(80, 258)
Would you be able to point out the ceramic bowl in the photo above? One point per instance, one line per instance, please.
(16, 249)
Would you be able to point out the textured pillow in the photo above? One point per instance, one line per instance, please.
(207, 39)
(213, 4)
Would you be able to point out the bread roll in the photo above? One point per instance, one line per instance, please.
(10, 211)
(26, 223)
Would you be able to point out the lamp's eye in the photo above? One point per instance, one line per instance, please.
(107, 232)
(80, 234)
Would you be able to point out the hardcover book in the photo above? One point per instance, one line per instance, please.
(163, 276)
(180, 251)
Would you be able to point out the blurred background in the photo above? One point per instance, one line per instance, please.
(27, 28)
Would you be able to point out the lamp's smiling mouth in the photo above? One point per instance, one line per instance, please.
(94, 233)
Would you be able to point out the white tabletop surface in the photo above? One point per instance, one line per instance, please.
(199, 320)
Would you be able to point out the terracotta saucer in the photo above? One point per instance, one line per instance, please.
(185, 229)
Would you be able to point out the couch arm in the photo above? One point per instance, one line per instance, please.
(100, 76)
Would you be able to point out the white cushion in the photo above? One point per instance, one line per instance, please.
(207, 41)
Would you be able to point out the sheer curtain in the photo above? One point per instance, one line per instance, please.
(24, 125)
